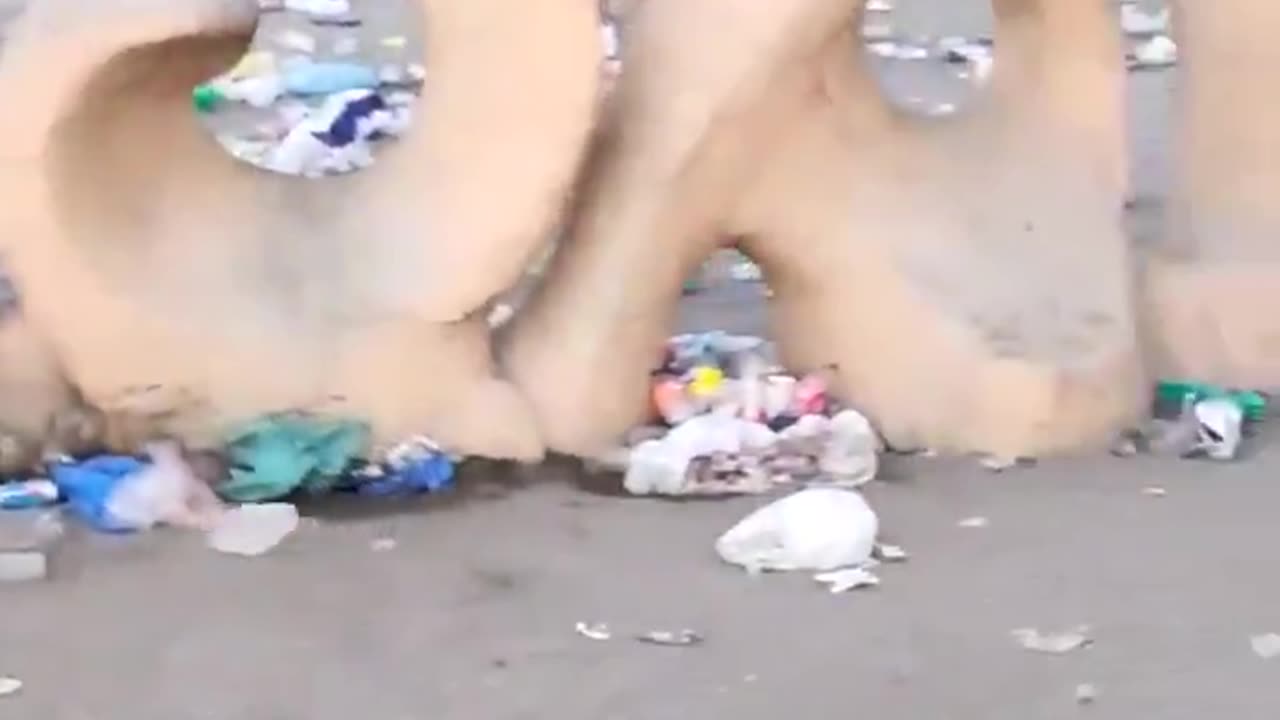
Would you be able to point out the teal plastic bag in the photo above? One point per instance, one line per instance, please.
(275, 456)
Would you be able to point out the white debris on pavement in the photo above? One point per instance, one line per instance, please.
(253, 530)
(1058, 643)
(1158, 52)
(841, 581)
(1266, 646)
(997, 464)
(1219, 423)
(593, 631)
(1087, 693)
(819, 529)
(972, 523)
(890, 553)
(1136, 21)
(9, 686)
(671, 638)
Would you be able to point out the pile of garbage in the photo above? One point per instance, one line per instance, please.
(1194, 419)
(728, 420)
(240, 495)
(300, 115)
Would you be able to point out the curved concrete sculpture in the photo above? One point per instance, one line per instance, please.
(969, 277)
(1212, 287)
(157, 264)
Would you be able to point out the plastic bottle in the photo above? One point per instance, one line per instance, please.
(28, 494)
(328, 78)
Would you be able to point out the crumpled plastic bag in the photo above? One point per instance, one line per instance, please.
(123, 494)
(661, 466)
(166, 492)
(275, 456)
(819, 529)
(88, 485)
(252, 530)
(846, 446)
(1218, 424)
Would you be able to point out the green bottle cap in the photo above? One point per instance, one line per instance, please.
(206, 97)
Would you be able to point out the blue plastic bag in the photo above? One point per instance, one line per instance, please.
(429, 474)
(88, 486)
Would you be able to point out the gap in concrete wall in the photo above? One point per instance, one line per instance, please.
(1152, 84)
(930, 58)
(324, 86)
(728, 292)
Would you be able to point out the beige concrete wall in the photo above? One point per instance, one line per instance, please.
(969, 276)
(151, 258)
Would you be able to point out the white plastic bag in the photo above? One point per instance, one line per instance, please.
(818, 529)
(165, 492)
(252, 530)
(850, 456)
(1218, 423)
(660, 466)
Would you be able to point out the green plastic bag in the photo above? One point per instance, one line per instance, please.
(275, 456)
(1253, 404)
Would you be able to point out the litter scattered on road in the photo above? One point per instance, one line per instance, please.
(253, 530)
(9, 686)
(819, 529)
(1154, 491)
(840, 581)
(1059, 643)
(593, 631)
(671, 638)
(381, 545)
(27, 538)
(890, 553)
(1266, 646)
(1157, 52)
(1219, 424)
(997, 464)
(974, 522)
(1136, 21)
(1087, 693)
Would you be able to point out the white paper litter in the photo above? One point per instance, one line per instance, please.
(9, 685)
(818, 529)
(252, 530)
(974, 522)
(593, 631)
(1135, 21)
(997, 464)
(1053, 643)
(891, 553)
(1266, 646)
(1159, 51)
(839, 581)
(1087, 693)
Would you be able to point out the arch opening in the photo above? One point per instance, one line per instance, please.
(930, 59)
(323, 87)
